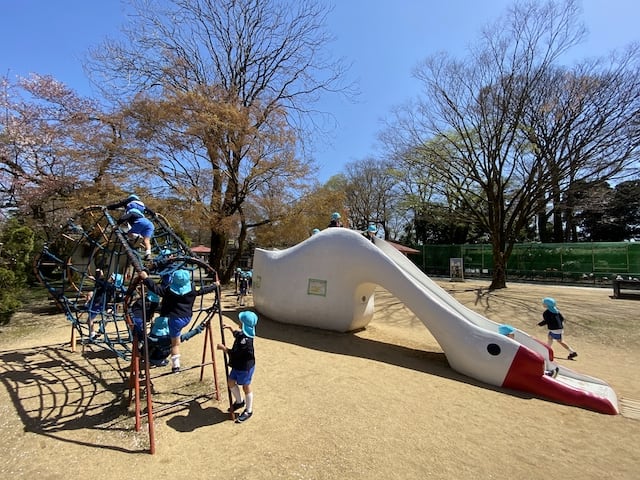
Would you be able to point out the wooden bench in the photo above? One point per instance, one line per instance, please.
(626, 289)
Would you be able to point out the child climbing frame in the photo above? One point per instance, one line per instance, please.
(90, 268)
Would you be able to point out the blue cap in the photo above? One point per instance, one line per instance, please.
(550, 303)
(335, 216)
(506, 329)
(180, 282)
(249, 321)
(315, 230)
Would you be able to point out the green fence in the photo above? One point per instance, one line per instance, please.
(582, 263)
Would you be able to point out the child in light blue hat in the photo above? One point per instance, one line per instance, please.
(507, 331)
(242, 361)
(335, 220)
(178, 298)
(137, 225)
(371, 232)
(554, 321)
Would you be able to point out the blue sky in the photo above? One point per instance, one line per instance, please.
(384, 39)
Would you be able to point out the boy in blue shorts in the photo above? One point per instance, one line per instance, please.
(178, 298)
(139, 225)
(554, 321)
(242, 361)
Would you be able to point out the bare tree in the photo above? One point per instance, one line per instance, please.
(582, 126)
(224, 90)
(426, 208)
(300, 216)
(371, 194)
(476, 107)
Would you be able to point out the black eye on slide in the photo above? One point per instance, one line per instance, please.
(493, 349)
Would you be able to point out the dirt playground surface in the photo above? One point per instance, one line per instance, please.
(381, 403)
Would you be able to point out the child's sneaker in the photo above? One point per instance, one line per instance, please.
(244, 416)
(159, 363)
(236, 406)
(572, 355)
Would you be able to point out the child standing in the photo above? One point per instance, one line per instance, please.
(554, 321)
(242, 361)
(249, 281)
(178, 298)
(236, 277)
(243, 285)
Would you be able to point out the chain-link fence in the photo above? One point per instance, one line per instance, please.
(577, 263)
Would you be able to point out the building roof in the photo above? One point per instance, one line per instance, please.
(402, 248)
(201, 249)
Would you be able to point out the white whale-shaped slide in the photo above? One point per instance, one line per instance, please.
(328, 281)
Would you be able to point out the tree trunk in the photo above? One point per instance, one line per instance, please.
(499, 275)
(218, 252)
(543, 233)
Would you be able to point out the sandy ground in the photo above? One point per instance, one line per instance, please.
(381, 403)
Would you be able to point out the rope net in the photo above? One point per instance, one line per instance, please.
(91, 271)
